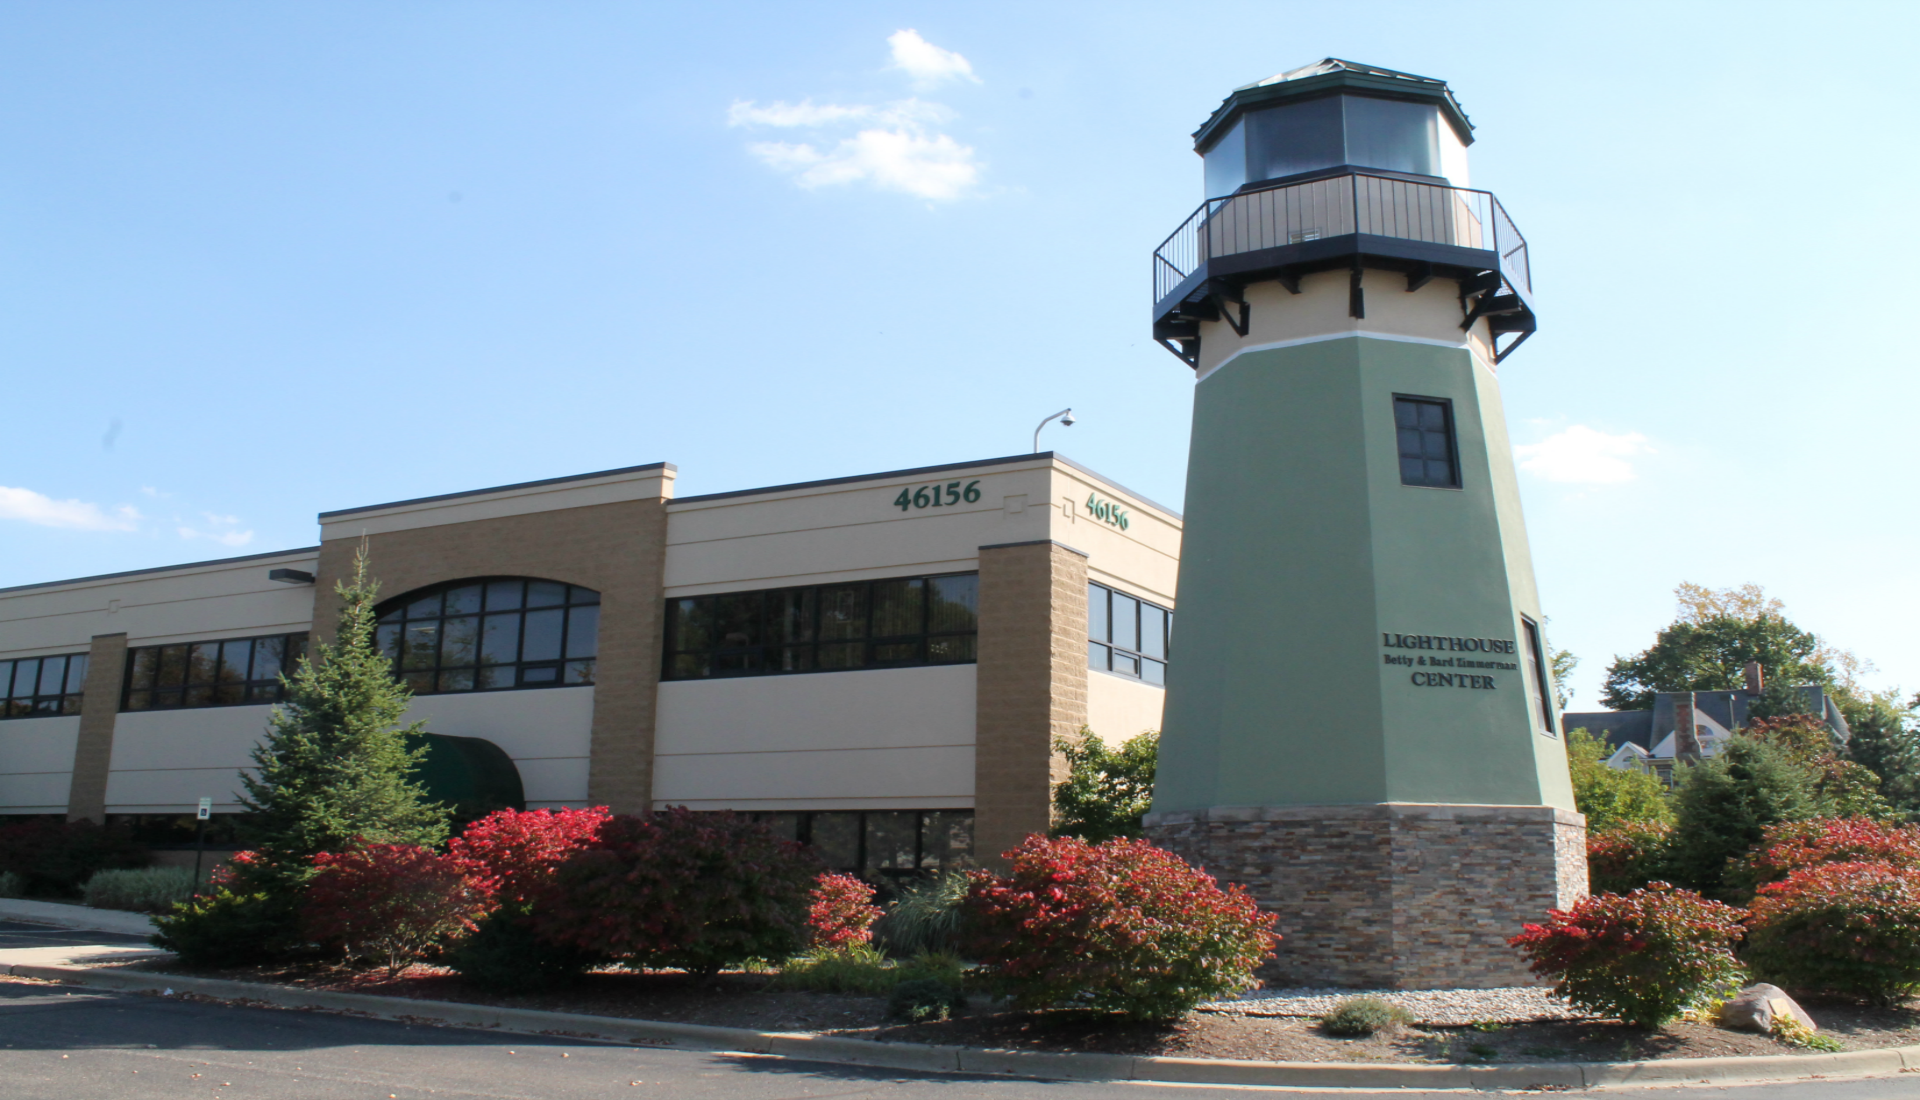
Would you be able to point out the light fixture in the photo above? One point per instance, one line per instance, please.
(1064, 416)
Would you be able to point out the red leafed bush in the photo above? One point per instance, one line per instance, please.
(235, 873)
(842, 913)
(1116, 927)
(388, 902)
(1850, 928)
(696, 891)
(512, 854)
(1798, 845)
(1644, 957)
(1628, 857)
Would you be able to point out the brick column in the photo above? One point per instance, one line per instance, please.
(1032, 686)
(99, 707)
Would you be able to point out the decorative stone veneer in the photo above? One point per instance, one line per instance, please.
(1391, 895)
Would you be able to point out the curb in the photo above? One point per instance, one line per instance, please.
(1015, 1063)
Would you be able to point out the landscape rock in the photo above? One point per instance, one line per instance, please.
(1756, 1006)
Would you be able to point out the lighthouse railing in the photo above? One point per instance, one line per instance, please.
(1380, 206)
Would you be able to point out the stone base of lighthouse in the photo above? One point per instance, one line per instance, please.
(1391, 895)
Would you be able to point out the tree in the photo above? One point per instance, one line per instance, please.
(1107, 791)
(1710, 642)
(1562, 663)
(334, 770)
(1611, 797)
(1886, 743)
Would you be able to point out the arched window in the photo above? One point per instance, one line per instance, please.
(492, 633)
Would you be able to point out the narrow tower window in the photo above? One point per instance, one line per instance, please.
(1537, 673)
(1424, 428)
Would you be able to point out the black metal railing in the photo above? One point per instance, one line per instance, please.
(1336, 206)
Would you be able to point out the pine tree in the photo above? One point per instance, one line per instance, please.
(334, 769)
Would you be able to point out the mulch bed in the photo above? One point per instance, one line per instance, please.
(747, 1000)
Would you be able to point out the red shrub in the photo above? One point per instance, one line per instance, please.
(1797, 845)
(842, 912)
(512, 854)
(1840, 927)
(1643, 957)
(697, 891)
(1115, 927)
(233, 874)
(390, 902)
(1628, 856)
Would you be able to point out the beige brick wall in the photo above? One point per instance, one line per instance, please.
(99, 708)
(1032, 686)
(617, 549)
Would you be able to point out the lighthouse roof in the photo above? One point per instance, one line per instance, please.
(1329, 76)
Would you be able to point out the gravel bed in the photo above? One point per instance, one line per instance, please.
(1439, 1007)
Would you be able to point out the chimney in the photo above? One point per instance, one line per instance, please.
(1686, 731)
(1756, 680)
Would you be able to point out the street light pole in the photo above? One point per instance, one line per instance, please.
(1065, 416)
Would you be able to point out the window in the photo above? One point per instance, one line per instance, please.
(210, 674)
(1424, 428)
(491, 634)
(824, 628)
(42, 687)
(1537, 674)
(881, 843)
(1126, 635)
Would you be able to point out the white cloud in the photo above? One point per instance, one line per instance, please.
(38, 508)
(1583, 455)
(929, 166)
(925, 62)
(225, 530)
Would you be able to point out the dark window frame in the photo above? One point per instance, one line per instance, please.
(251, 689)
(1103, 655)
(810, 647)
(1537, 672)
(1452, 430)
(803, 822)
(35, 703)
(573, 664)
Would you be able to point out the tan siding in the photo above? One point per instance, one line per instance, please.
(99, 708)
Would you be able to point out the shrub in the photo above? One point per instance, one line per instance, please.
(927, 916)
(1850, 928)
(12, 885)
(1644, 957)
(512, 854)
(1115, 927)
(228, 927)
(1797, 845)
(391, 903)
(55, 857)
(147, 890)
(1363, 1016)
(503, 955)
(842, 911)
(1724, 804)
(918, 1000)
(850, 968)
(1611, 797)
(680, 889)
(1628, 857)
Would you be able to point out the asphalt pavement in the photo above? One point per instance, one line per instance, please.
(62, 1044)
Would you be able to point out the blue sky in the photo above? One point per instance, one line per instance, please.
(263, 260)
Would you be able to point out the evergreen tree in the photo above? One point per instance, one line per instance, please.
(1886, 743)
(1725, 802)
(334, 770)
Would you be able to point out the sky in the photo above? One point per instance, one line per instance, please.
(259, 261)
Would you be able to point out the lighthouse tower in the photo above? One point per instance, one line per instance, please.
(1360, 725)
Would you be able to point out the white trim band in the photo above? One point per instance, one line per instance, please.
(1352, 334)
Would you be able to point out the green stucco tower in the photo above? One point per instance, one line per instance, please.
(1359, 723)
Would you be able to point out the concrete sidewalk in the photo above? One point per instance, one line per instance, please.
(77, 916)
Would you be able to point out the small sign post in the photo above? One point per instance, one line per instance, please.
(204, 812)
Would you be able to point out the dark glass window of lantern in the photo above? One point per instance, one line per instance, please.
(1127, 635)
(880, 844)
(492, 634)
(891, 623)
(1537, 672)
(227, 673)
(42, 687)
(1423, 427)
